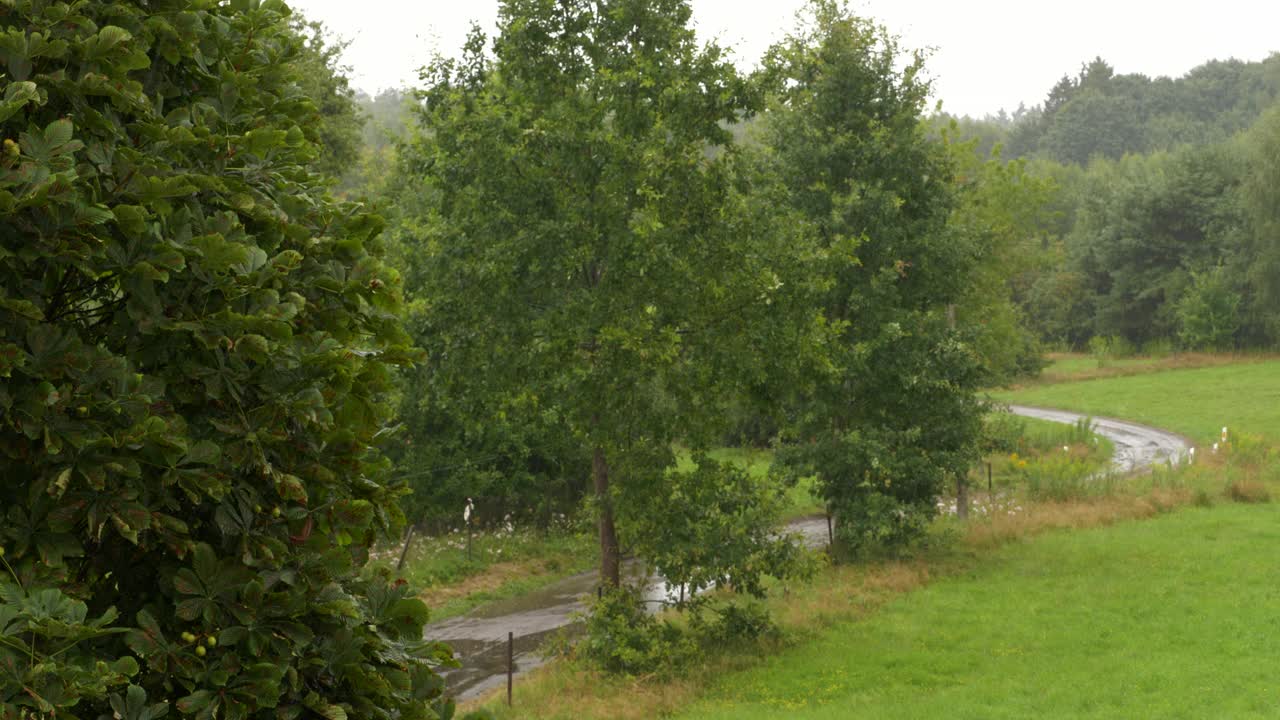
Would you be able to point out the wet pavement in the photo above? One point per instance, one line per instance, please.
(1138, 447)
(479, 639)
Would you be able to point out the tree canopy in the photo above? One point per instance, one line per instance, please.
(195, 353)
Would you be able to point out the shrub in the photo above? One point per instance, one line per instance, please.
(1248, 491)
(734, 623)
(1209, 311)
(1111, 347)
(1003, 433)
(194, 351)
(623, 638)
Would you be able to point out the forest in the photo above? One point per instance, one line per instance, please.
(258, 329)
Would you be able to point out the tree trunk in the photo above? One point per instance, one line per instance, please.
(610, 557)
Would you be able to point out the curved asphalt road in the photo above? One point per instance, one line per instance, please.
(479, 639)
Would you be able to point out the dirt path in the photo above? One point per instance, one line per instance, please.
(480, 638)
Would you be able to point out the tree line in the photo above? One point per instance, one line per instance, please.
(1159, 228)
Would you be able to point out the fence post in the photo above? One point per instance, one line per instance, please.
(511, 663)
(404, 552)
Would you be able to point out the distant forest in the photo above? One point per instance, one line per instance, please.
(1160, 232)
(1098, 113)
(1159, 226)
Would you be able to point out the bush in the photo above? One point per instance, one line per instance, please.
(1209, 312)
(1003, 433)
(1111, 347)
(623, 638)
(734, 623)
(194, 341)
(1248, 491)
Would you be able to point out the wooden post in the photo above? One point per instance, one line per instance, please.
(404, 552)
(511, 663)
(990, 491)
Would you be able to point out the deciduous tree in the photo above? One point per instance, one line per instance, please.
(195, 343)
(586, 245)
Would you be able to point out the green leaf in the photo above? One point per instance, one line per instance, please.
(196, 702)
(58, 132)
(25, 308)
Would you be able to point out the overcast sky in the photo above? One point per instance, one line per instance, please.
(989, 54)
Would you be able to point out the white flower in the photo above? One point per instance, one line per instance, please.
(466, 512)
(1215, 447)
(1192, 452)
(1066, 449)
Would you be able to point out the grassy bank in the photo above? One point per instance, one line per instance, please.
(500, 564)
(1057, 606)
(1125, 621)
(1196, 402)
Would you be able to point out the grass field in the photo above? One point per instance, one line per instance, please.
(1196, 402)
(1153, 597)
(1172, 618)
(1072, 367)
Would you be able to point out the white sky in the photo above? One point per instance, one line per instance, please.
(989, 54)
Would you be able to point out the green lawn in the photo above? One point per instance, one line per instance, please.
(1195, 402)
(1069, 366)
(800, 499)
(1176, 617)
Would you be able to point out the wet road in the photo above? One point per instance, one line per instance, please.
(1137, 446)
(480, 638)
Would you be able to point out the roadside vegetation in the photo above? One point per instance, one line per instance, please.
(1019, 603)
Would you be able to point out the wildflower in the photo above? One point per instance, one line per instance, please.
(466, 512)
(1215, 447)
(1066, 449)
(1192, 453)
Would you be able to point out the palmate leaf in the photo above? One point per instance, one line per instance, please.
(173, 364)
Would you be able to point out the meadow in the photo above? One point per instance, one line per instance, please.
(1175, 617)
(1196, 402)
(1149, 596)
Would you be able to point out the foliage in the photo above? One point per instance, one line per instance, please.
(194, 351)
(892, 413)
(1001, 211)
(587, 267)
(735, 623)
(1208, 312)
(1099, 113)
(623, 638)
(45, 651)
(713, 525)
(1105, 348)
(338, 129)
